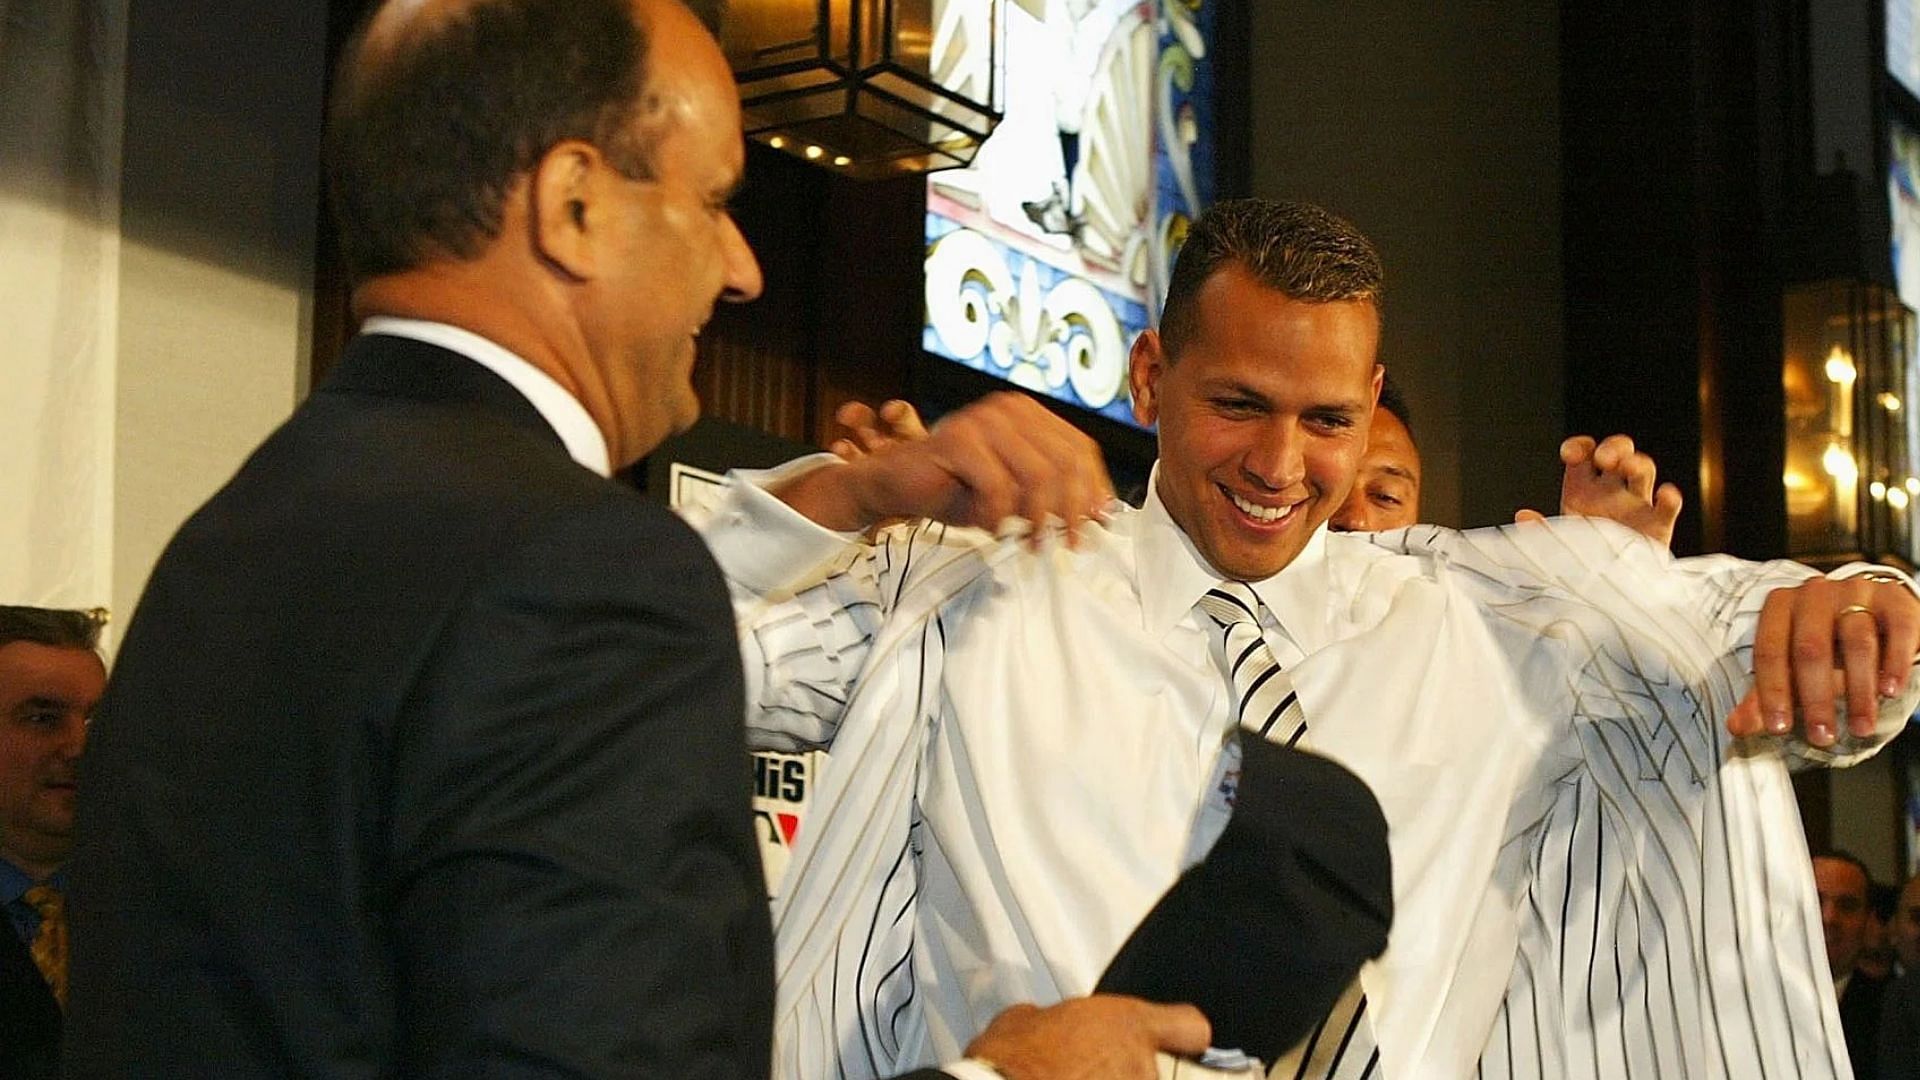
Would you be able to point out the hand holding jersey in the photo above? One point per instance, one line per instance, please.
(1100, 1036)
(1610, 479)
(1807, 652)
(869, 429)
(1812, 651)
(1004, 456)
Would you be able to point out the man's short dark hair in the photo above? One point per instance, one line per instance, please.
(56, 628)
(1845, 856)
(1294, 247)
(1394, 402)
(424, 141)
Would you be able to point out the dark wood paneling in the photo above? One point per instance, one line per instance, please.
(1678, 162)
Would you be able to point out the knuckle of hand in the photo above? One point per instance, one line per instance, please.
(1806, 650)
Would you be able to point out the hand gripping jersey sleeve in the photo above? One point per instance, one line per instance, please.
(809, 601)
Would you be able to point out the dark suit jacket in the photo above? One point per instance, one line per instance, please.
(29, 1017)
(1267, 930)
(1900, 1029)
(1860, 1020)
(422, 756)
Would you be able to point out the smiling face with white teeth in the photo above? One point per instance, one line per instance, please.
(1263, 417)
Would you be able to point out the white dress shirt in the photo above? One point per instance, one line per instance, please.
(562, 411)
(1023, 747)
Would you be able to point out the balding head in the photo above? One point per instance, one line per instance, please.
(441, 106)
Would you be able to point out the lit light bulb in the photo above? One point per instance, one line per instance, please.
(842, 160)
(1889, 401)
(777, 142)
(1840, 465)
(813, 153)
(1897, 498)
(1878, 490)
(1913, 485)
(1840, 367)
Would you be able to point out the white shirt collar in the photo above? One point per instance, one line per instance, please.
(1171, 576)
(561, 410)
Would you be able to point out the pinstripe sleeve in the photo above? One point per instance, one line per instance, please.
(808, 601)
(1734, 592)
(1704, 606)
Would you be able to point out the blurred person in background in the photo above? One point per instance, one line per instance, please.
(51, 675)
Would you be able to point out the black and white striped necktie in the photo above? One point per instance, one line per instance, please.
(1264, 701)
(1342, 1045)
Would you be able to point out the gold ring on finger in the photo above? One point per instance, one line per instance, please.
(1852, 609)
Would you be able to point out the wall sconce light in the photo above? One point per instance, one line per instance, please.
(874, 87)
(1849, 480)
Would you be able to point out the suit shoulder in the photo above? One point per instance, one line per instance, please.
(629, 523)
(615, 541)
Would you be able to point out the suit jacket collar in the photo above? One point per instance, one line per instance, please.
(14, 882)
(21, 983)
(391, 366)
(564, 413)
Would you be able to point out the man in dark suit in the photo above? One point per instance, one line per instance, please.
(424, 751)
(50, 677)
(1843, 884)
(1900, 1007)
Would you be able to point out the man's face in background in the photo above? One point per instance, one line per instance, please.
(1843, 911)
(46, 695)
(1386, 490)
(1903, 930)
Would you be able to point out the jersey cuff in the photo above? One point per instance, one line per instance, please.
(762, 543)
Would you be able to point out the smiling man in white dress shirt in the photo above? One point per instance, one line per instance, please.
(1598, 868)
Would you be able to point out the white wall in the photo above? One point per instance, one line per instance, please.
(1865, 821)
(59, 261)
(211, 361)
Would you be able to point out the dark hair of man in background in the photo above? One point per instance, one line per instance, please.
(1845, 856)
(1296, 248)
(56, 628)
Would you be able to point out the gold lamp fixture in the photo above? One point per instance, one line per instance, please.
(871, 88)
(1852, 474)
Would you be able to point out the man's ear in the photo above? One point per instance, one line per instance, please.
(1145, 366)
(566, 192)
